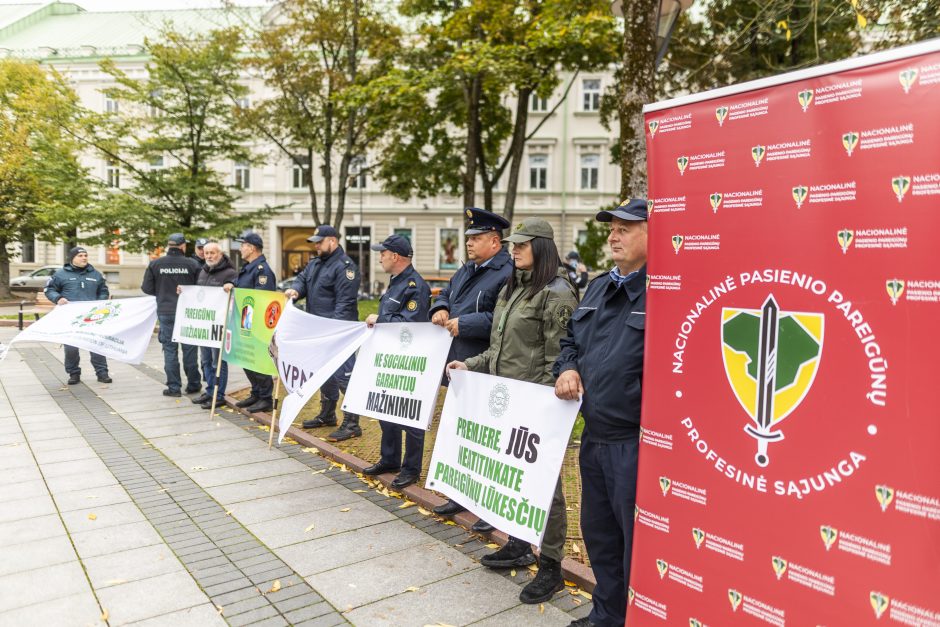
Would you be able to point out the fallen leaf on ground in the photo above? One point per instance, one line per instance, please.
(359, 491)
(92, 496)
(228, 513)
(512, 573)
(412, 589)
(570, 584)
(114, 582)
(275, 586)
(176, 401)
(450, 522)
(541, 608)
(113, 413)
(407, 504)
(423, 511)
(308, 529)
(492, 545)
(576, 601)
(586, 595)
(104, 616)
(319, 472)
(309, 449)
(345, 509)
(290, 441)
(92, 516)
(220, 609)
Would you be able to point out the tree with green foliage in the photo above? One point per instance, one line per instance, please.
(173, 131)
(314, 57)
(592, 248)
(43, 187)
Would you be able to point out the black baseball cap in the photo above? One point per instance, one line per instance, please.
(250, 237)
(201, 242)
(396, 244)
(630, 209)
(324, 230)
(176, 239)
(483, 221)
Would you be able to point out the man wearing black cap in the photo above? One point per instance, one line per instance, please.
(77, 281)
(465, 306)
(201, 249)
(577, 271)
(256, 274)
(601, 361)
(330, 283)
(407, 300)
(161, 279)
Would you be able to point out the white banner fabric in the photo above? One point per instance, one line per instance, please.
(200, 316)
(118, 329)
(398, 373)
(309, 350)
(499, 450)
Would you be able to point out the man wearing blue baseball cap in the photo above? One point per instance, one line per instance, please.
(601, 361)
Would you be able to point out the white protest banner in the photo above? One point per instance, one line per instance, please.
(309, 349)
(118, 329)
(499, 450)
(398, 373)
(200, 316)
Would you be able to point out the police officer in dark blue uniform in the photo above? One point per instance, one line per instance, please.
(465, 306)
(407, 299)
(601, 360)
(256, 274)
(330, 283)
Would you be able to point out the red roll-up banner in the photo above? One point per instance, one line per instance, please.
(789, 464)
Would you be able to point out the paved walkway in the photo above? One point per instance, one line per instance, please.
(122, 506)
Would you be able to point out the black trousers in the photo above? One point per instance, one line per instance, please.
(608, 496)
(391, 447)
(262, 386)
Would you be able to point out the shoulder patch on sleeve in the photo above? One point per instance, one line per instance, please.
(412, 305)
(350, 274)
(412, 284)
(263, 279)
(562, 315)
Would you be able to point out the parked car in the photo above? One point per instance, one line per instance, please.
(285, 283)
(35, 280)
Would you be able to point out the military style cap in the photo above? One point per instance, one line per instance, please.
(529, 229)
(324, 230)
(396, 244)
(201, 242)
(250, 237)
(176, 239)
(483, 221)
(630, 209)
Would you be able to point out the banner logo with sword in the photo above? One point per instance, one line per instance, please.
(771, 358)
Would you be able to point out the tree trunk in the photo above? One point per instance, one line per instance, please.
(311, 190)
(473, 93)
(516, 151)
(5, 292)
(637, 87)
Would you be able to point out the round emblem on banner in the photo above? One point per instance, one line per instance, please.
(499, 400)
(350, 274)
(200, 294)
(405, 337)
(98, 314)
(272, 314)
(412, 305)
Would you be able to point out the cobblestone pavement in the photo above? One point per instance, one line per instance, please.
(122, 506)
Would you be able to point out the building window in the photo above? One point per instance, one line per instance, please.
(157, 163)
(590, 166)
(28, 250)
(300, 172)
(538, 104)
(110, 105)
(112, 173)
(154, 109)
(591, 94)
(243, 103)
(357, 174)
(580, 237)
(538, 171)
(242, 176)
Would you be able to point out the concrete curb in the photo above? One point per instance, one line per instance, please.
(572, 570)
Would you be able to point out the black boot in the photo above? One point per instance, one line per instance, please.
(251, 400)
(326, 417)
(75, 378)
(547, 582)
(516, 553)
(349, 428)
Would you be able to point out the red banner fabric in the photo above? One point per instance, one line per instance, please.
(789, 467)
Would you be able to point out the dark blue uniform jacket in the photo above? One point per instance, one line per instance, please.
(605, 345)
(256, 275)
(471, 296)
(407, 299)
(330, 283)
(76, 284)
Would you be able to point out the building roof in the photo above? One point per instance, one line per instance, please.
(60, 30)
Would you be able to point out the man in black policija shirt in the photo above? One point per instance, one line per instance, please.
(161, 278)
(601, 360)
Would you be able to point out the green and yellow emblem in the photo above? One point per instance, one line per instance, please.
(845, 237)
(780, 566)
(885, 495)
(662, 566)
(879, 603)
(664, 485)
(735, 598)
(682, 163)
(715, 201)
(757, 154)
(850, 141)
(652, 126)
(630, 595)
(901, 185)
(828, 535)
(721, 114)
(98, 314)
(677, 242)
(699, 536)
(805, 97)
(694, 622)
(649, 207)
(907, 78)
(895, 288)
(800, 192)
(771, 358)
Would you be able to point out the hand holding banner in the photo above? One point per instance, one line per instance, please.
(499, 450)
(398, 373)
(200, 316)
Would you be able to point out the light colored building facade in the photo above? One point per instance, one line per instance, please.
(565, 177)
